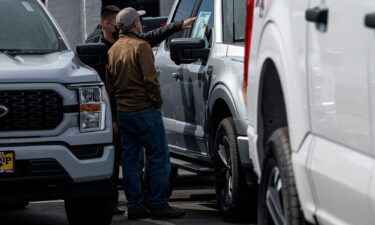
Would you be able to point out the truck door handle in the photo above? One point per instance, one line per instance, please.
(370, 20)
(317, 15)
(177, 76)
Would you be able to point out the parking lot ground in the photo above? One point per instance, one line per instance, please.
(192, 193)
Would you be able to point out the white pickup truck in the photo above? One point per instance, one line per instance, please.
(311, 106)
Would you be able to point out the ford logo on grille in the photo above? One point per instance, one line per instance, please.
(3, 110)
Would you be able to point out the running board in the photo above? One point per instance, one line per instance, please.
(191, 167)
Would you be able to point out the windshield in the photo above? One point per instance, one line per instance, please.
(24, 26)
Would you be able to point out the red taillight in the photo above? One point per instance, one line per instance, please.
(249, 32)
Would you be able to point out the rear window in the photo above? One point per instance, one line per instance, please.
(234, 17)
(239, 7)
(25, 26)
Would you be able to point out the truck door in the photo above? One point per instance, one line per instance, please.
(191, 108)
(170, 73)
(341, 160)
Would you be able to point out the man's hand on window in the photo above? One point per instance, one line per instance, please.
(187, 24)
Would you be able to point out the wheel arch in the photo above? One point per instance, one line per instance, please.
(272, 113)
(221, 106)
(280, 62)
(276, 68)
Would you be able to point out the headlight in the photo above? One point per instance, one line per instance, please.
(92, 108)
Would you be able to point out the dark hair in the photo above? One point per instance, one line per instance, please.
(108, 12)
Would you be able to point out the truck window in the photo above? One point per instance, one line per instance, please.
(205, 21)
(234, 17)
(25, 26)
(184, 10)
(228, 21)
(239, 20)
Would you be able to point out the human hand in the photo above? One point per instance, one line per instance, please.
(188, 22)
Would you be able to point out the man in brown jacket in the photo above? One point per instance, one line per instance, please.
(133, 84)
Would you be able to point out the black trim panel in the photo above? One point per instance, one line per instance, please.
(82, 152)
(52, 188)
(46, 144)
(71, 108)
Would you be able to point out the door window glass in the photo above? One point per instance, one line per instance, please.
(205, 21)
(228, 20)
(184, 10)
(239, 20)
(234, 20)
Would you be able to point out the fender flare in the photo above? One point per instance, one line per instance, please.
(221, 91)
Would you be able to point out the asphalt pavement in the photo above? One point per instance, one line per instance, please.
(193, 193)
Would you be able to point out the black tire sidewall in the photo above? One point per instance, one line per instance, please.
(91, 211)
(279, 155)
(15, 205)
(235, 211)
(263, 213)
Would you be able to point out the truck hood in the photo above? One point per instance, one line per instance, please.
(60, 67)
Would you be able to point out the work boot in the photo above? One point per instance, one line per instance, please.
(137, 214)
(118, 211)
(166, 212)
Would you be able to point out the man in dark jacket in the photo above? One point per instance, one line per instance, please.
(133, 85)
(107, 33)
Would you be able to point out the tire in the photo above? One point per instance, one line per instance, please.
(278, 183)
(96, 210)
(236, 200)
(16, 205)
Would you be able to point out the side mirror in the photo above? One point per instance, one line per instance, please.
(93, 55)
(188, 50)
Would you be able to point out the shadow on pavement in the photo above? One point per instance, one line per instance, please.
(193, 193)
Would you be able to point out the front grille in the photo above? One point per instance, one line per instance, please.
(31, 110)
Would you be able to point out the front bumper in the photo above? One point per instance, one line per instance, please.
(77, 170)
(51, 188)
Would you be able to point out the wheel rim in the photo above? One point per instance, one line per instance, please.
(274, 198)
(225, 175)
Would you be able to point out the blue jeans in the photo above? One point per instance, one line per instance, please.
(140, 129)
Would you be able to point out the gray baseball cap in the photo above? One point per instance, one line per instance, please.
(127, 17)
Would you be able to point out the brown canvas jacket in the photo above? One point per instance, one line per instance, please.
(131, 75)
